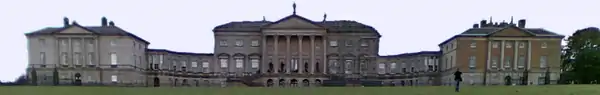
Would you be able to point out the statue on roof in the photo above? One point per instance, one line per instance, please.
(294, 6)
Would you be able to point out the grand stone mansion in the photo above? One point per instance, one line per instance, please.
(291, 52)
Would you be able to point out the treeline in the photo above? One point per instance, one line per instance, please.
(22, 80)
(581, 57)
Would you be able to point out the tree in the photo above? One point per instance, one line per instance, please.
(55, 78)
(581, 58)
(33, 78)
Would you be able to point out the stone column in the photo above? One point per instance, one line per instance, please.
(276, 54)
(288, 58)
(312, 54)
(264, 66)
(501, 54)
(300, 60)
(324, 46)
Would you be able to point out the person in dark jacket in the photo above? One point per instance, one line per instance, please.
(457, 79)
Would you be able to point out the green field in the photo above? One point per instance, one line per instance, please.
(423, 90)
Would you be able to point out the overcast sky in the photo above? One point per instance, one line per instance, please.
(406, 25)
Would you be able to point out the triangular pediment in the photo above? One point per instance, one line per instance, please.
(512, 31)
(75, 30)
(294, 22)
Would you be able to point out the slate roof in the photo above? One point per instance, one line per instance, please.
(181, 53)
(339, 26)
(487, 31)
(99, 30)
(413, 54)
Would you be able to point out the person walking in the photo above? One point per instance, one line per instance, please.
(457, 79)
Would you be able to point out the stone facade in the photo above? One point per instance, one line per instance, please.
(293, 51)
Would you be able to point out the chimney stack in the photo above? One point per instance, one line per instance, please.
(111, 23)
(521, 23)
(66, 21)
(482, 23)
(104, 22)
(475, 25)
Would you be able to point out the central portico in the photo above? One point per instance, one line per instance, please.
(294, 45)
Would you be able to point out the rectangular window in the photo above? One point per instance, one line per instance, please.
(76, 58)
(333, 66)
(42, 58)
(473, 44)
(113, 59)
(348, 66)
(254, 43)
(194, 64)
(472, 62)
(543, 62)
(381, 68)
(544, 45)
(521, 44)
(495, 44)
(294, 64)
(63, 43)
(160, 59)
(507, 61)
(392, 67)
(42, 42)
(90, 45)
(364, 43)
(90, 59)
(494, 62)
(239, 63)
(204, 64)
(113, 78)
(508, 45)
(255, 63)
(76, 46)
(349, 43)
(521, 63)
(223, 63)
(113, 43)
(223, 43)
(183, 64)
(64, 58)
(333, 43)
(239, 43)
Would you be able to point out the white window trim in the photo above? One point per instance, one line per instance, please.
(507, 62)
(239, 43)
(42, 58)
(194, 64)
(544, 45)
(472, 61)
(494, 62)
(255, 63)
(113, 42)
(333, 43)
(183, 64)
(114, 78)
(223, 43)
(239, 63)
(494, 44)
(473, 45)
(508, 45)
(114, 59)
(543, 61)
(205, 64)
(90, 59)
(521, 44)
(223, 63)
(160, 59)
(64, 58)
(254, 43)
(76, 58)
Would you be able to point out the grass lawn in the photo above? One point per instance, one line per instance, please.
(424, 90)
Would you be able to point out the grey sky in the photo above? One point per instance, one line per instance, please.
(406, 26)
